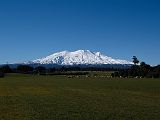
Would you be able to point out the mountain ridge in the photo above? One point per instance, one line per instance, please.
(79, 57)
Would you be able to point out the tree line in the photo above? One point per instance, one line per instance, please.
(41, 69)
(138, 70)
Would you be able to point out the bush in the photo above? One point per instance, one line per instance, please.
(40, 70)
(6, 69)
(24, 69)
(1, 74)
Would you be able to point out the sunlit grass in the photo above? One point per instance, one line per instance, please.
(27, 97)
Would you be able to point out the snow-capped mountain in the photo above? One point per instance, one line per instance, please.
(79, 57)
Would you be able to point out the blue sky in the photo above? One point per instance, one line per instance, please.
(30, 29)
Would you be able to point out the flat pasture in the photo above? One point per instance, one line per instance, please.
(32, 97)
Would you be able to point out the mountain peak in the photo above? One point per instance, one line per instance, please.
(79, 57)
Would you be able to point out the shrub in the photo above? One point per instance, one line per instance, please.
(1, 74)
(24, 69)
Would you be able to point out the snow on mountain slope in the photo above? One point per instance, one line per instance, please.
(83, 57)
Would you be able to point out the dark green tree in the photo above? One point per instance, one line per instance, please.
(1, 74)
(157, 70)
(24, 68)
(40, 70)
(135, 60)
(6, 69)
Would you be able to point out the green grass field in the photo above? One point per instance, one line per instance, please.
(27, 97)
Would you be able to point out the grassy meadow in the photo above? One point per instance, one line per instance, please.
(29, 97)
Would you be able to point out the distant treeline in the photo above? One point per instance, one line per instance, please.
(41, 69)
(1, 74)
(26, 69)
(138, 71)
